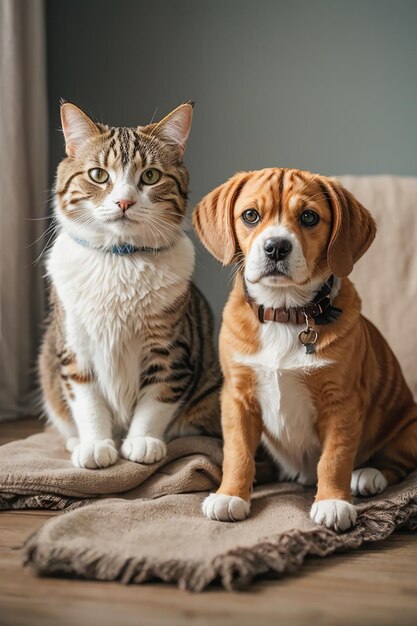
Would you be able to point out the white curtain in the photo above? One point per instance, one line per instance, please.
(23, 195)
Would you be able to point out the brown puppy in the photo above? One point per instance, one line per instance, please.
(304, 371)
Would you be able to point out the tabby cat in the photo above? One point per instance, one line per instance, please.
(127, 360)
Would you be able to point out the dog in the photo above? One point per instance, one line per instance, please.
(304, 371)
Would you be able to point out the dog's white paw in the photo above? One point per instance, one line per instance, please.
(223, 508)
(94, 454)
(336, 514)
(143, 449)
(367, 482)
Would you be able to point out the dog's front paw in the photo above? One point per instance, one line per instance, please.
(223, 508)
(367, 481)
(335, 514)
(143, 449)
(94, 454)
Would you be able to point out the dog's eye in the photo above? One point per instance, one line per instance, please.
(98, 175)
(150, 176)
(309, 218)
(250, 216)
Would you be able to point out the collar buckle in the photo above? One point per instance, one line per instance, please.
(261, 313)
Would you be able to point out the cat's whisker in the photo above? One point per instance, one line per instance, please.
(45, 248)
(170, 227)
(51, 227)
(39, 219)
(167, 224)
(162, 236)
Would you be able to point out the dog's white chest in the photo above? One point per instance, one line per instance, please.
(288, 412)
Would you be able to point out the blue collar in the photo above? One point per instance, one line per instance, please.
(122, 249)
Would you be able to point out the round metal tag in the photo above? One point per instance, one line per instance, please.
(308, 336)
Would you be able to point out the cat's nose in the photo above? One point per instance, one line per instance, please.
(124, 204)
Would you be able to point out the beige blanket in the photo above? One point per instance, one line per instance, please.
(123, 526)
(386, 277)
(37, 473)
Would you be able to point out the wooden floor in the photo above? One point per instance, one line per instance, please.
(375, 586)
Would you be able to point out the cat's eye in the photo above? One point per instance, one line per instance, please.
(98, 175)
(150, 176)
(251, 217)
(309, 218)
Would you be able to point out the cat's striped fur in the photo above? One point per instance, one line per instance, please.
(127, 359)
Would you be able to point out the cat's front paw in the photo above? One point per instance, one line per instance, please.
(94, 454)
(143, 449)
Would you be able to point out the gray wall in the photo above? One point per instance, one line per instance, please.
(326, 85)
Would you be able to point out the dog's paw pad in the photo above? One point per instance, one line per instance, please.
(143, 449)
(94, 454)
(335, 514)
(367, 482)
(223, 508)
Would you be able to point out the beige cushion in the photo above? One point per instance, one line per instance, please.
(386, 277)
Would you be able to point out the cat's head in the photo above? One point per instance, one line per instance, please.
(123, 185)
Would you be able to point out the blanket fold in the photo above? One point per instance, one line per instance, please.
(135, 523)
(37, 471)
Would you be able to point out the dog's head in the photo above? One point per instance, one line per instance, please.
(288, 227)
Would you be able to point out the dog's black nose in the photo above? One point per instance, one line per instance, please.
(277, 248)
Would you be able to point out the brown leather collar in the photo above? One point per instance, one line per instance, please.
(320, 311)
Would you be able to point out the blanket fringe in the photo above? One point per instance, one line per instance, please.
(236, 568)
(47, 501)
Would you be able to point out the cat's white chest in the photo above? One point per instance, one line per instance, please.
(111, 295)
(108, 300)
(288, 412)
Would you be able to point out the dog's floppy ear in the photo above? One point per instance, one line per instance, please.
(213, 219)
(353, 230)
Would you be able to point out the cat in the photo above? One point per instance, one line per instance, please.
(127, 361)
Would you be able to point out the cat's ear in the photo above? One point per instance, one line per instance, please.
(176, 126)
(77, 128)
